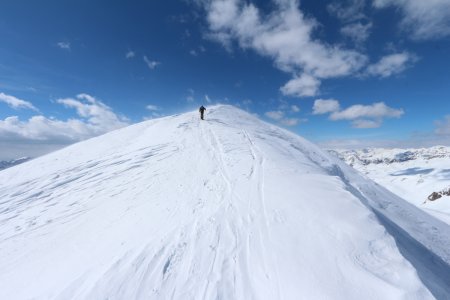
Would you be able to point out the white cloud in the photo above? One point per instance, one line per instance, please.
(356, 25)
(275, 114)
(391, 64)
(361, 116)
(152, 64)
(295, 108)
(155, 112)
(377, 110)
(423, 19)
(152, 107)
(324, 106)
(40, 128)
(207, 99)
(279, 116)
(285, 35)
(196, 52)
(64, 45)
(290, 121)
(366, 116)
(357, 32)
(361, 123)
(98, 117)
(130, 54)
(40, 134)
(16, 102)
(303, 86)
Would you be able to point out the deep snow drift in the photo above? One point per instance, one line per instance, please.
(226, 208)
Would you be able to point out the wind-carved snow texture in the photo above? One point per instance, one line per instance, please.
(226, 208)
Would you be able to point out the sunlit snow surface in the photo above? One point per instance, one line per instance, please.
(412, 174)
(226, 208)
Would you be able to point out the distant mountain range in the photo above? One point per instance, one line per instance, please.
(10, 163)
(389, 156)
(421, 176)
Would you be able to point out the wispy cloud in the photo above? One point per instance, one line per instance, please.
(423, 20)
(98, 117)
(152, 64)
(190, 96)
(154, 112)
(358, 32)
(16, 102)
(348, 11)
(291, 121)
(64, 45)
(197, 51)
(275, 115)
(362, 143)
(280, 117)
(130, 54)
(391, 64)
(247, 102)
(152, 107)
(356, 25)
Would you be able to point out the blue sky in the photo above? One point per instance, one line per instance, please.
(345, 74)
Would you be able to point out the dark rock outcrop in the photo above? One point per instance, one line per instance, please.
(436, 195)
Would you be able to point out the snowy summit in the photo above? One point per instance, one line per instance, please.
(226, 208)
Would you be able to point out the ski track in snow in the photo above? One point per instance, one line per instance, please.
(226, 208)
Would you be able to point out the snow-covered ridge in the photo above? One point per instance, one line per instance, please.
(226, 208)
(10, 163)
(389, 156)
(420, 176)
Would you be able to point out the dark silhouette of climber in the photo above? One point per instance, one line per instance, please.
(202, 111)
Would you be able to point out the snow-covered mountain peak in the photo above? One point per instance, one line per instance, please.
(226, 208)
(4, 164)
(389, 156)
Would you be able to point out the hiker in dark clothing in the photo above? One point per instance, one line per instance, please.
(201, 110)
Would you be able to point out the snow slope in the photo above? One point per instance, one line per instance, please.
(226, 208)
(413, 174)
